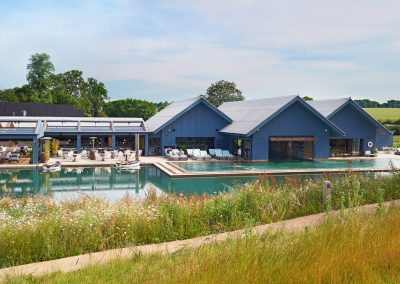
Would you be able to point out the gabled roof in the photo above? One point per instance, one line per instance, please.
(177, 109)
(250, 115)
(329, 108)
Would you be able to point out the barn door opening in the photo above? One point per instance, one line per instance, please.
(293, 147)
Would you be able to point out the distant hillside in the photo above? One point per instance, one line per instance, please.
(384, 114)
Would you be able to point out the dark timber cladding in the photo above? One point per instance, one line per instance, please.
(282, 126)
(190, 123)
(38, 109)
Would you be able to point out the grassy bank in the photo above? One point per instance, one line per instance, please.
(384, 114)
(356, 248)
(36, 229)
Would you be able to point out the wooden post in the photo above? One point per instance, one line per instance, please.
(137, 146)
(327, 190)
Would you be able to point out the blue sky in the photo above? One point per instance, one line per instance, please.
(168, 50)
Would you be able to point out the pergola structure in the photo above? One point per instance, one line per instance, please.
(72, 128)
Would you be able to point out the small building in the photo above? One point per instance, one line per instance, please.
(190, 123)
(362, 131)
(38, 109)
(75, 133)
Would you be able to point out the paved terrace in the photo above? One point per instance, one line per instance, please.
(173, 170)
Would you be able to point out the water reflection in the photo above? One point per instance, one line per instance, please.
(108, 183)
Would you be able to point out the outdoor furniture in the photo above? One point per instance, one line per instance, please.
(204, 155)
(227, 155)
(369, 154)
(176, 155)
(14, 157)
(4, 156)
(197, 155)
(218, 154)
(189, 152)
(212, 152)
(397, 152)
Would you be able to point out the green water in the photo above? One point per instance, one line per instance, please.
(286, 165)
(108, 183)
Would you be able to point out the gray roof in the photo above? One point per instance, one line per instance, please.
(174, 110)
(247, 115)
(327, 107)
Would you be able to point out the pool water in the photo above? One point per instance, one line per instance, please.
(287, 165)
(109, 183)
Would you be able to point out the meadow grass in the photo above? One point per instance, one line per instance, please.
(38, 228)
(384, 114)
(354, 248)
(396, 141)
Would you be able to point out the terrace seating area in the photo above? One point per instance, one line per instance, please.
(197, 154)
(13, 154)
(103, 155)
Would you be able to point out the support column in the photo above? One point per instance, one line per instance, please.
(146, 145)
(78, 144)
(35, 151)
(113, 142)
(137, 141)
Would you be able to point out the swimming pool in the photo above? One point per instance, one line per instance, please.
(287, 165)
(109, 183)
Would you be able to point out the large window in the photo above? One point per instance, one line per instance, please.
(202, 143)
(345, 147)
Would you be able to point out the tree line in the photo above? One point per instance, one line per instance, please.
(365, 103)
(90, 95)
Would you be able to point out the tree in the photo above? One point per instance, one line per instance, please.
(77, 87)
(223, 91)
(307, 98)
(130, 108)
(162, 105)
(39, 69)
(97, 94)
(368, 103)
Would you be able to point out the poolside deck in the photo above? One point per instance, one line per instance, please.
(173, 170)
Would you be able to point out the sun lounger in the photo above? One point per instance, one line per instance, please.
(218, 154)
(212, 152)
(204, 155)
(397, 152)
(176, 155)
(189, 152)
(197, 154)
(227, 155)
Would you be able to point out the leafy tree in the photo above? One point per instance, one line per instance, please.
(307, 98)
(223, 91)
(392, 103)
(162, 105)
(39, 69)
(97, 94)
(77, 87)
(368, 103)
(8, 95)
(130, 108)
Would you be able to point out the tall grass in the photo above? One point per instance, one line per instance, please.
(355, 248)
(38, 228)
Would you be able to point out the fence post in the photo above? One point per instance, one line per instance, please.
(327, 190)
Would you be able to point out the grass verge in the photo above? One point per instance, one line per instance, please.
(356, 248)
(38, 228)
